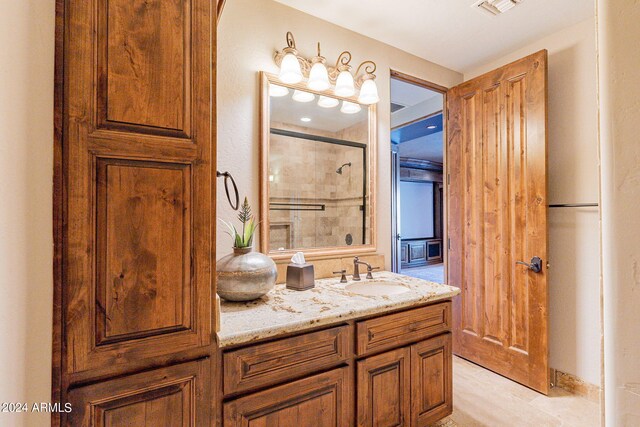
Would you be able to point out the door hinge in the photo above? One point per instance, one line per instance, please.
(448, 243)
(448, 178)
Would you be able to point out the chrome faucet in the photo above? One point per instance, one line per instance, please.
(356, 269)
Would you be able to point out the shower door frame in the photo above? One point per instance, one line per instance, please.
(334, 141)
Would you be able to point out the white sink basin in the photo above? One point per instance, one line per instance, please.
(376, 288)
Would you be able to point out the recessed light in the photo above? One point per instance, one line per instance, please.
(305, 119)
(431, 127)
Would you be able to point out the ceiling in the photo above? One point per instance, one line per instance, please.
(424, 127)
(412, 123)
(407, 94)
(450, 32)
(424, 148)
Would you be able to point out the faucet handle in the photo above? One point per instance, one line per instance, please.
(369, 270)
(343, 278)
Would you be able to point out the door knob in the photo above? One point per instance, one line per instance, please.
(535, 265)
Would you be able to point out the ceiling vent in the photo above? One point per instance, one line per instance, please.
(396, 107)
(495, 7)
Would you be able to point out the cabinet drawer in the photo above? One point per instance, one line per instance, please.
(273, 362)
(177, 395)
(321, 400)
(402, 328)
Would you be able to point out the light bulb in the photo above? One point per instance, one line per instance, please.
(350, 107)
(344, 84)
(327, 102)
(318, 77)
(368, 92)
(277, 90)
(302, 96)
(290, 71)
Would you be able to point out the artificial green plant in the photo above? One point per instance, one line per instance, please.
(249, 225)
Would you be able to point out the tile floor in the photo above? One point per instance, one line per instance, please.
(482, 398)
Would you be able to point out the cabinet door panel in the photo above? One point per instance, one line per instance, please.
(404, 253)
(323, 400)
(383, 389)
(418, 252)
(138, 159)
(431, 380)
(176, 396)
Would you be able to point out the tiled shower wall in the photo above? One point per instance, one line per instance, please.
(303, 171)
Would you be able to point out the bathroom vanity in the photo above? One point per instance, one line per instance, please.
(337, 357)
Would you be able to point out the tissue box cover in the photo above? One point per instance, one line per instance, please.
(300, 276)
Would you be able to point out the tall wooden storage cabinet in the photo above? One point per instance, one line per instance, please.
(134, 203)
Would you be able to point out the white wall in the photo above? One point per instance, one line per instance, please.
(250, 32)
(26, 167)
(574, 299)
(416, 209)
(619, 68)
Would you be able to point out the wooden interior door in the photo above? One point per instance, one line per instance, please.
(497, 216)
(137, 163)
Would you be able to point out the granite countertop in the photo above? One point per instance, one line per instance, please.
(284, 311)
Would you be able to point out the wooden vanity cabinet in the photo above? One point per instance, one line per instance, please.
(388, 370)
(409, 386)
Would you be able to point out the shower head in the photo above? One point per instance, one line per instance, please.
(339, 170)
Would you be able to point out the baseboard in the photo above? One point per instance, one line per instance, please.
(575, 385)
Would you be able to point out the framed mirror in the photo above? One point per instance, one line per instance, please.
(317, 172)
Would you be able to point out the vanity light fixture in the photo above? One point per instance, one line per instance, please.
(328, 102)
(302, 96)
(277, 91)
(290, 66)
(368, 88)
(318, 76)
(293, 68)
(350, 107)
(345, 85)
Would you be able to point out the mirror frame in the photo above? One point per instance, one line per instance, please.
(372, 146)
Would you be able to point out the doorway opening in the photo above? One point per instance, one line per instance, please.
(418, 164)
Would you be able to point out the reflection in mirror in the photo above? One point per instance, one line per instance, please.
(318, 170)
